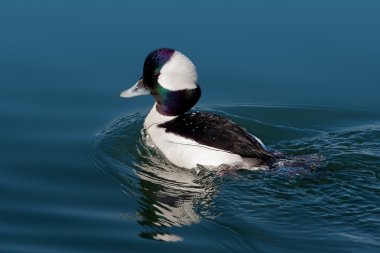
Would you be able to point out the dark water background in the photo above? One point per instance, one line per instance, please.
(75, 175)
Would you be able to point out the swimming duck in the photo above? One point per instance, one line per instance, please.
(189, 139)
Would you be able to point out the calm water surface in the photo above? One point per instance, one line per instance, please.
(76, 174)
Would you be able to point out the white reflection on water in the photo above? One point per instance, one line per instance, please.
(168, 197)
(171, 196)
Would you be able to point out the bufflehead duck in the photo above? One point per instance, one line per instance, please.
(188, 139)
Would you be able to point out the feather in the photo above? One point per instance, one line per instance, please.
(217, 132)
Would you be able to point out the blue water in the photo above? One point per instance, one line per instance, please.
(77, 176)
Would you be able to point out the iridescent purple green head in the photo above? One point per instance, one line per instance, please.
(171, 78)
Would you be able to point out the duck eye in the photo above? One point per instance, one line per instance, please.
(156, 75)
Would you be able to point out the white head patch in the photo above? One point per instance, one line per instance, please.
(178, 73)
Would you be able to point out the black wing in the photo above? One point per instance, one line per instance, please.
(217, 132)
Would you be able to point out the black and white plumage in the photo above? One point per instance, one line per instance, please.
(191, 139)
(217, 132)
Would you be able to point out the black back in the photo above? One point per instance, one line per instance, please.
(217, 132)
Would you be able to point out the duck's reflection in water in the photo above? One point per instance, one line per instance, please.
(168, 197)
(172, 197)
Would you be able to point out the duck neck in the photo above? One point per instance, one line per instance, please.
(155, 117)
(174, 103)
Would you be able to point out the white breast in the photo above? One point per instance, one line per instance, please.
(184, 152)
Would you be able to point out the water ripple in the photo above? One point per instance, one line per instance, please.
(284, 204)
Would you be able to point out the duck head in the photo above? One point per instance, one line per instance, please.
(171, 78)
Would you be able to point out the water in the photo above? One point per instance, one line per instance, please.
(77, 176)
(332, 207)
